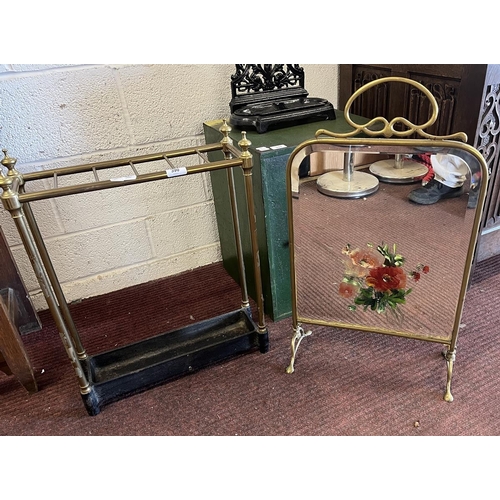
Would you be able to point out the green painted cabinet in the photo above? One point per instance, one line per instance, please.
(269, 182)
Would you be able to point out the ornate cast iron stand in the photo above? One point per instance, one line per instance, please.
(380, 136)
(124, 371)
(272, 96)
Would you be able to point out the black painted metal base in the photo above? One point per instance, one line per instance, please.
(280, 114)
(131, 369)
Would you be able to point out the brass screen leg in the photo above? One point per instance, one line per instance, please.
(450, 359)
(299, 334)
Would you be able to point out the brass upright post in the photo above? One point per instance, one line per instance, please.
(226, 140)
(246, 156)
(56, 286)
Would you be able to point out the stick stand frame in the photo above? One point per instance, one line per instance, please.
(122, 372)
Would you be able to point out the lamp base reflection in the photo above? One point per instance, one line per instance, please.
(388, 171)
(334, 184)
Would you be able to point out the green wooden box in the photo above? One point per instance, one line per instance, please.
(269, 182)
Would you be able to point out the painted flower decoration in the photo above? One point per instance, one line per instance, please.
(375, 279)
(385, 278)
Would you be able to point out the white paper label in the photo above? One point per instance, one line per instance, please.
(280, 146)
(125, 178)
(262, 148)
(174, 172)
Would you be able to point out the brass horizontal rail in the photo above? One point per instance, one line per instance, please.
(44, 174)
(126, 181)
(374, 329)
(233, 149)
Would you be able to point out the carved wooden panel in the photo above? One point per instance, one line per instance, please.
(374, 102)
(419, 109)
(393, 99)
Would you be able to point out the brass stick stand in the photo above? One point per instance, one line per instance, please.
(107, 377)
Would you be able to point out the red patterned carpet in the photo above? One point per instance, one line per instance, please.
(346, 383)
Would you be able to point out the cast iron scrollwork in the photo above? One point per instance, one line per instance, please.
(490, 125)
(264, 77)
(488, 145)
(271, 96)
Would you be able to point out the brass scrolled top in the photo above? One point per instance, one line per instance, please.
(388, 129)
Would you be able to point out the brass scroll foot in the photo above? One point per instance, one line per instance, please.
(296, 340)
(450, 358)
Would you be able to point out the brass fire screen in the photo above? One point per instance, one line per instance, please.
(370, 253)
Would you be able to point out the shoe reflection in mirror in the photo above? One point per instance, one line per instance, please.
(432, 192)
(448, 176)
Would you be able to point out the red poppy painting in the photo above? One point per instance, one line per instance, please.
(375, 278)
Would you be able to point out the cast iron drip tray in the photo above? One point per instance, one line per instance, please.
(273, 107)
(127, 370)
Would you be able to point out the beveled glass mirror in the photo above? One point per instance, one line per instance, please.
(383, 230)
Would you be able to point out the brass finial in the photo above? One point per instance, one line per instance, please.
(225, 128)
(244, 143)
(9, 163)
(245, 155)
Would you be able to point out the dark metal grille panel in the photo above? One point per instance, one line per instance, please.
(487, 141)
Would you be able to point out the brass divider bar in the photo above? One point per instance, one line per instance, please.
(132, 166)
(203, 156)
(168, 161)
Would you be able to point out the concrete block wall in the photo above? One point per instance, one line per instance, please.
(53, 116)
